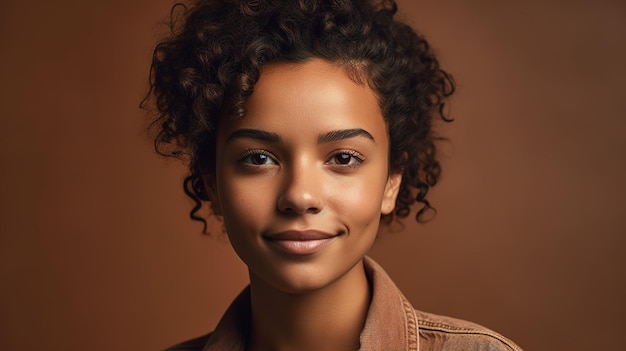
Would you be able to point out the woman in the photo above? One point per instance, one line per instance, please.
(305, 124)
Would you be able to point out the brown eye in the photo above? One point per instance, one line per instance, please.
(257, 158)
(346, 159)
(343, 159)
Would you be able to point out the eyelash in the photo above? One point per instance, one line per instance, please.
(250, 153)
(359, 159)
(355, 158)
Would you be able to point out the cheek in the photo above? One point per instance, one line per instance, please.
(247, 203)
(359, 199)
(244, 212)
(242, 201)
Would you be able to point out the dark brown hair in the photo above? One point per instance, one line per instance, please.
(208, 66)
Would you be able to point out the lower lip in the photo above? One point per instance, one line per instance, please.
(301, 247)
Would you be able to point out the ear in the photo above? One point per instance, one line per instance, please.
(391, 193)
(211, 193)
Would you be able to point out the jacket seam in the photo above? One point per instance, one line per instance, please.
(455, 330)
(412, 325)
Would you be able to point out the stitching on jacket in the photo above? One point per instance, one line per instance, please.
(445, 328)
(412, 325)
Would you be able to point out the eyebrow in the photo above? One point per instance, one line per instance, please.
(329, 137)
(255, 134)
(342, 134)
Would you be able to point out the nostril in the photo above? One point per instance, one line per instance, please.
(299, 205)
(301, 193)
(313, 210)
(292, 210)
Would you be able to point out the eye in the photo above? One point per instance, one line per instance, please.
(348, 158)
(257, 158)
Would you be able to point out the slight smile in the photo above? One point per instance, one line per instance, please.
(300, 243)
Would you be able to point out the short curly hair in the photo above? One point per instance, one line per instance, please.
(208, 65)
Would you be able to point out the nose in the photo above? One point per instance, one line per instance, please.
(301, 192)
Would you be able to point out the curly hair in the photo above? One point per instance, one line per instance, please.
(208, 66)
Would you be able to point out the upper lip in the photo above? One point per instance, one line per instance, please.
(300, 235)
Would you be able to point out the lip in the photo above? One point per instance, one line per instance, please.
(300, 243)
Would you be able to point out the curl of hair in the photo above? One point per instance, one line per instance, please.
(208, 66)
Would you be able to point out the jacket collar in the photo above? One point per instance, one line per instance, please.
(391, 322)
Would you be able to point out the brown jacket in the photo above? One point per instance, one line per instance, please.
(391, 324)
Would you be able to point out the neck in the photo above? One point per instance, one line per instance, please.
(330, 318)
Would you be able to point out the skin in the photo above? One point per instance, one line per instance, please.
(311, 153)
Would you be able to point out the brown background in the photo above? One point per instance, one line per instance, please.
(96, 251)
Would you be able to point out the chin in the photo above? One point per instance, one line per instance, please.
(302, 277)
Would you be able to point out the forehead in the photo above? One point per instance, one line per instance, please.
(313, 95)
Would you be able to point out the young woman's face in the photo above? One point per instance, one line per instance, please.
(302, 179)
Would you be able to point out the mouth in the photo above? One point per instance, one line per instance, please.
(300, 243)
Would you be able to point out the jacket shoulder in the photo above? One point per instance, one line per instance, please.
(451, 334)
(196, 344)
